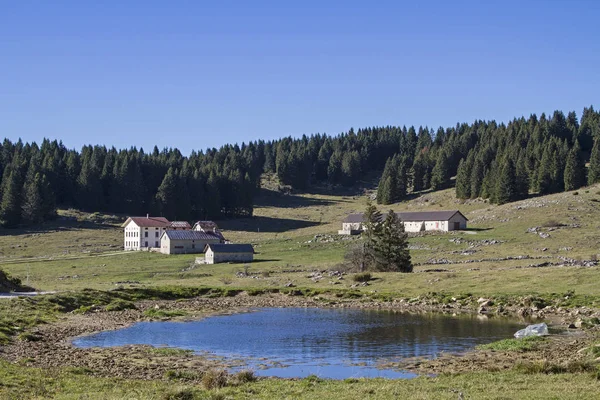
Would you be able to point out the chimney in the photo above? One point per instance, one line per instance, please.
(147, 216)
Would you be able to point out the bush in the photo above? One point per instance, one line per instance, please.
(158, 313)
(362, 277)
(214, 379)
(120, 305)
(185, 394)
(245, 376)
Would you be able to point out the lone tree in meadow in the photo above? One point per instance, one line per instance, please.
(385, 245)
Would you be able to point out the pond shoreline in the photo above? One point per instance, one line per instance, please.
(54, 347)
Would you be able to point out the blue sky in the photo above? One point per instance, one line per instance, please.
(196, 74)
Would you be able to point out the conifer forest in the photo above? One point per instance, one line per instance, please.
(495, 161)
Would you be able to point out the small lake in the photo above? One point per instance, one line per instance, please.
(330, 343)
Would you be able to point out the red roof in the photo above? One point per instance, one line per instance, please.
(149, 222)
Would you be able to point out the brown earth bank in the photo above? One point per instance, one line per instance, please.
(49, 346)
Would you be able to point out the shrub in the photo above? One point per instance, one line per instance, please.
(245, 376)
(181, 375)
(214, 379)
(158, 313)
(120, 305)
(362, 277)
(185, 394)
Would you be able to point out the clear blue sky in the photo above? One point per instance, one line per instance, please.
(196, 74)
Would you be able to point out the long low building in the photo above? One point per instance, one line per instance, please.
(220, 253)
(186, 242)
(420, 221)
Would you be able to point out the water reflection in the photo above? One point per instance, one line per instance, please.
(325, 342)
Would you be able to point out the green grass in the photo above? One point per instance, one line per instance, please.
(18, 382)
(159, 314)
(523, 344)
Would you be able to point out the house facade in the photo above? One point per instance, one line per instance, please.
(186, 242)
(220, 253)
(420, 221)
(143, 233)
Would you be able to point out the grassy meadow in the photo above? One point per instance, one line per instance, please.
(296, 234)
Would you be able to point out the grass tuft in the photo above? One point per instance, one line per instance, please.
(520, 345)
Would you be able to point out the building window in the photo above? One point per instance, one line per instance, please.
(156, 234)
(155, 244)
(146, 244)
(145, 234)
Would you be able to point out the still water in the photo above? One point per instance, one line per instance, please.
(330, 343)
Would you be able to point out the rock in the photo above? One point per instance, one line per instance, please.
(290, 284)
(578, 323)
(482, 310)
(533, 330)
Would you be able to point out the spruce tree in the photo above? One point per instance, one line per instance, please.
(574, 169)
(439, 174)
(33, 208)
(10, 207)
(167, 195)
(506, 183)
(391, 246)
(594, 168)
(476, 178)
(463, 177)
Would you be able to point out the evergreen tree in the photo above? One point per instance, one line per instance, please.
(506, 183)
(439, 174)
(463, 177)
(574, 169)
(10, 207)
(391, 246)
(167, 195)
(476, 178)
(594, 168)
(32, 208)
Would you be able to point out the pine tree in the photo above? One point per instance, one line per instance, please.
(391, 246)
(476, 178)
(439, 174)
(32, 208)
(574, 169)
(372, 230)
(167, 195)
(506, 183)
(594, 168)
(10, 207)
(463, 177)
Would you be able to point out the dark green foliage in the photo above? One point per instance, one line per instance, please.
(222, 182)
(391, 246)
(594, 169)
(574, 169)
(440, 175)
(463, 177)
(10, 206)
(385, 245)
(506, 183)
(393, 182)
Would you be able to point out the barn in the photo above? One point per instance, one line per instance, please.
(186, 242)
(420, 221)
(220, 253)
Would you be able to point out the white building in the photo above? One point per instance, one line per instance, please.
(186, 242)
(413, 222)
(220, 253)
(143, 232)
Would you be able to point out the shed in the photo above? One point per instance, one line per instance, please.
(186, 242)
(219, 253)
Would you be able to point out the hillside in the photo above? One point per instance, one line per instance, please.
(545, 244)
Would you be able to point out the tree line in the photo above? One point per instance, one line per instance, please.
(212, 184)
(500, 162)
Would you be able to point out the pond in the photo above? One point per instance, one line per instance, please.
(330, 343)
